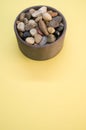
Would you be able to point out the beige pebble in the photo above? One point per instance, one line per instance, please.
(43, 27)
(38, 38)
(53, 14)
(30, 40)
(21, 17)
(36, 14)
(32, 23)
(51, 30)
(25, 20)
(31, 11)
(21, 26)
(47, 17)
(33, 31)
(38, 18)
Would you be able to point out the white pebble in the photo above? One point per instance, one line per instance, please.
(21, 26)
(30, 40)
(33, 31)
(51, 30)
(47, 17)
(43, 9)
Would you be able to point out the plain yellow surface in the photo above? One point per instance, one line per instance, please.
(43, 95)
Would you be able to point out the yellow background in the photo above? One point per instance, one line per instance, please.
(43, 95)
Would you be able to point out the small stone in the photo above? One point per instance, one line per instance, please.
(38, 18)
(26, 34)
(28, 15)
(61, 24)
(51, 38)
(38, 38)
(43, 27)
(21, 26)
(58, 19)
(30, 40)
(31, 11)
(47, 17)
(43, 9)
(51, 30)
(60, 28)
(53, 14)
(27, 27)
(53, 23)
(33, 31)
(43, 41)
(21, 17)
(21, 34)
(36, 14)
(57, 34)
(32, 23)
(39, 31)
(25, 20)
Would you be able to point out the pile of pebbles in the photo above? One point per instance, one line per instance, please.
(40, 27)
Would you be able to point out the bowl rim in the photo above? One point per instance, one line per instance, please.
(40, 46)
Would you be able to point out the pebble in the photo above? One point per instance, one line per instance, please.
(27, 27)
(21, 34)
(39, 12)
(53, 14)
(32, 23)
(28, 15)
(51, 38)
(21, 26)
(60, 28)
(33, 31)
(53, 23)
(30, 40)
(25, 20)
(39, 31)
(36, 13)
(43, 41)
(31, 11)
(43, 27)
(58, 19)
(47, 16)
(21, 17)
(43, 9)
(26, 34)
(38, 38)
(51, 30)
(38, 18)
(57, 34)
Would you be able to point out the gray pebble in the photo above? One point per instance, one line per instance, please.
(43, 41)
(51, 38)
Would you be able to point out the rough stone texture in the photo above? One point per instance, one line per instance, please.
(38, 18)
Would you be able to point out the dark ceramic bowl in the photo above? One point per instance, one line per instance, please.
(46, 51)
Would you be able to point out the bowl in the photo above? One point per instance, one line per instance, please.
(42, 52)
